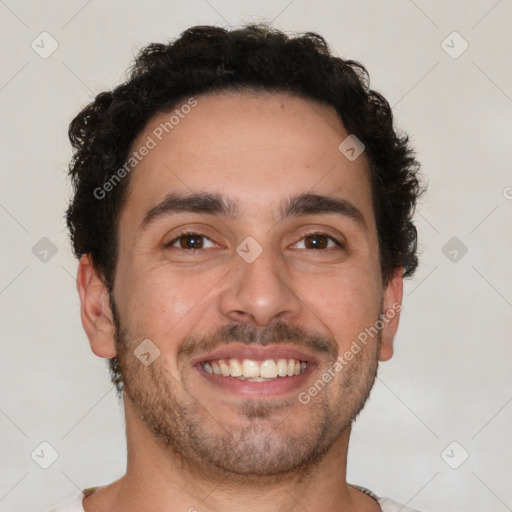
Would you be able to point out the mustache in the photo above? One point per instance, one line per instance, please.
(277, 333)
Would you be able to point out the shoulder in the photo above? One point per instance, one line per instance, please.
(388, 505)
(75, 504)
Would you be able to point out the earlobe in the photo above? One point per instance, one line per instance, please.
(95, 309)
(392, 305)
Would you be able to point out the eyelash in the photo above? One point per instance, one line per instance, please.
(192, 233)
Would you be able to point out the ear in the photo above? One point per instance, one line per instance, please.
(392, 305)
(95, 309)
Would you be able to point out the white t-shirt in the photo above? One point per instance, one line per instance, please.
(387, 505)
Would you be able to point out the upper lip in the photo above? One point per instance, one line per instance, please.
(255, 352)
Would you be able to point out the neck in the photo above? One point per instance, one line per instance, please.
(157, 477)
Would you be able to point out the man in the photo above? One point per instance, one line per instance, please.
(242, 212)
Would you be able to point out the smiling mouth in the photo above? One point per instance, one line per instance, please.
(255, 371)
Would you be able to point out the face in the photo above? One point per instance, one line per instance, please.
(248, 256)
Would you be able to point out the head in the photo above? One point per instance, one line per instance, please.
(219, 206)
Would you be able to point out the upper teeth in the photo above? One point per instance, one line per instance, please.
(248, 368)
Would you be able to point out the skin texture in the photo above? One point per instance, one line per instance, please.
(191, 444)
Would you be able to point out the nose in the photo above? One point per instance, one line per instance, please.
(260, 292)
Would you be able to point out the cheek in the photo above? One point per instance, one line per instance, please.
(346, 302)
(159, 303)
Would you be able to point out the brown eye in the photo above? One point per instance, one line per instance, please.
(190, 241)
(318, 241)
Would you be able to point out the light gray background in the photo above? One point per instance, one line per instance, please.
(450, 379)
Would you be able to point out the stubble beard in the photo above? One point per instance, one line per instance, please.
(258, 446)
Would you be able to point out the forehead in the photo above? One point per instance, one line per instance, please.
(254, 147)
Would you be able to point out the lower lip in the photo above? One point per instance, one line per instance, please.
(276, 387)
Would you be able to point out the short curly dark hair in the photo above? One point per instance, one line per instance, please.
(208, 59)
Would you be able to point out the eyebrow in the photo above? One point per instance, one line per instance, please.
(217, 204)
